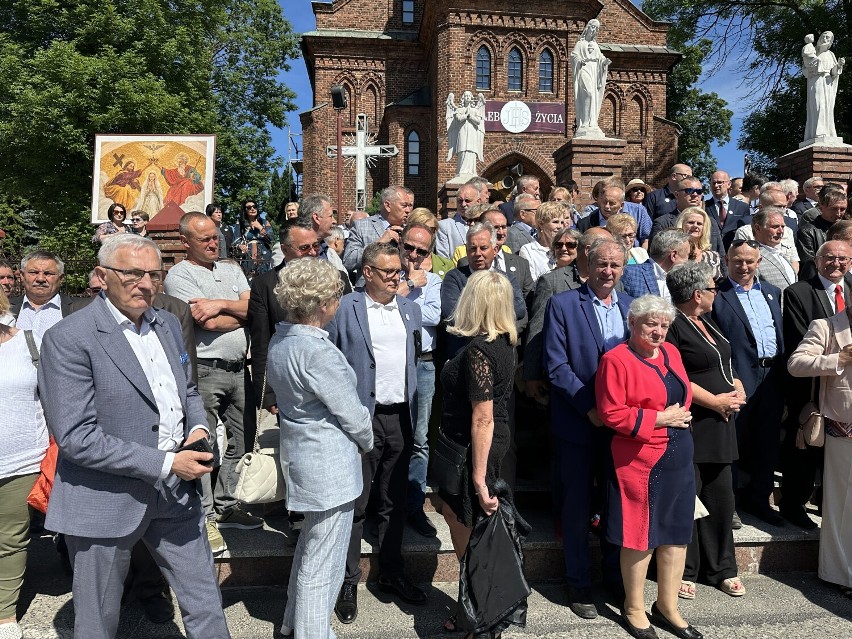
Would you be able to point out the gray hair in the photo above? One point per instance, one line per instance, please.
(666, 241)
(480, 227)
(790, 186)
(761, 218)
(393, 192)
(375, 249)
(304, 285)
(604, 243)
(478, 183)
(651, 306)
(684, 279)
(519, 200)
(313, 203)
(42, 254)
(811, 181)
(767, 198)
(771, 186)
(336, 233)
(523, 181)
(573, 233)
(106, 254)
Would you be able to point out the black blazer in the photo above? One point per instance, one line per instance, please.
(739, 214)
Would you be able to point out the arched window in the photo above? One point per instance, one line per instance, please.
(407, 11)
(413, 155)
(483, 68)
(516, 70)
(545, 71)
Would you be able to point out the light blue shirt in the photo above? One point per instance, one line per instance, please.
(38, 320)
(643, 221)
(525, 227)
(610, 321)
(759, 318)
(429, 299)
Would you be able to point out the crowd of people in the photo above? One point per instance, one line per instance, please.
(659, 326)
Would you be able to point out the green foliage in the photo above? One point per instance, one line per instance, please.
(279, 194)
(12, 220)
(375, 204)
(69, 70)
(703, 117)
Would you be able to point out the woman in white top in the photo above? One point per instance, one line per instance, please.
(549, 220)
(23, 443)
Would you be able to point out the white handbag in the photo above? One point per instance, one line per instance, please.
(260, 479)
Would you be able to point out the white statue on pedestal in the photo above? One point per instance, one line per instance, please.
(466, 132)
(589, 67)
(822, 71)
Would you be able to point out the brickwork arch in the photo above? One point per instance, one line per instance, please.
(496, 159)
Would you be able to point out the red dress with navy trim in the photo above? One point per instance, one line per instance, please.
(651, 497)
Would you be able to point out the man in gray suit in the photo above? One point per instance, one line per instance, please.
(768, 227)
(522, 231)
(451, 232)
(384, 226)
(119, 396)
(378, 331)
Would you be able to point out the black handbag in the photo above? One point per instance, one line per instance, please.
(447, 464)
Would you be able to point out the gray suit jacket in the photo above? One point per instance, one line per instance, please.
(350, 331)
(323, 424)
(109, 465)
(451, 234)
(363, 233)
(516, 238)
(772, 270)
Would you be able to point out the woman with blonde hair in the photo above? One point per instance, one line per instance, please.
(550, 218)
(623, 228)
(695, 222)
(477, 383)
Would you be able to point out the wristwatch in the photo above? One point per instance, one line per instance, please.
(411, 285)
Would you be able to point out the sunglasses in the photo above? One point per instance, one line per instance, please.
(692, 191)
(387, 272)
(136, 220)
(251, 206)
(413, 249)
(565, 245)
(752, 243)
(714, 290)
(304, 248)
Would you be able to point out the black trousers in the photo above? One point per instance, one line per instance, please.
(386, 467)
(710, 554)
(799, 467)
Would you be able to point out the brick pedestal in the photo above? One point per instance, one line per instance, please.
(831, 163)
(169, 242)
(587, 162)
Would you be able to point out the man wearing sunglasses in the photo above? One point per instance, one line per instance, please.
(662, 201)
(749, 314)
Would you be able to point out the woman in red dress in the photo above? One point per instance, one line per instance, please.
(643, 394)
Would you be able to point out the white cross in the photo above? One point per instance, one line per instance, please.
(364, 155)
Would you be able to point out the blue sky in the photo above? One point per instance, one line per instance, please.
(300, 15)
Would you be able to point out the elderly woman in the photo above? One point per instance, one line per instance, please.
(116, 214)
(635, 191)
(139, 221)
(623, 228)
(717, 396)
(23, 434)
(695, 222)
(644, 395)
(826, 352)
(324, 428)
(564, 247)
(477, 383)
(549, 220)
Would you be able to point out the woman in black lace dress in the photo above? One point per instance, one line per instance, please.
(477, 383)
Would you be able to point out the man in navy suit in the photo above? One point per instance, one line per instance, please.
(379, 333)
(580, 325)
(649, 278)
(662, 201)
(728, 213)
(749, 314)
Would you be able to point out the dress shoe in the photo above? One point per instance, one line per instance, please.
(659, 619)
(580, 603)
(420, 522)
(764, 512)
(799, 518)
(639, 633)
(346, 607)
(736, 522)
(402, 588)
(158, 609)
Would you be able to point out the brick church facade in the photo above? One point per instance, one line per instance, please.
(399, 59)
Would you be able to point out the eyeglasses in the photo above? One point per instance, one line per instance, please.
(692, 191)
(628, 235)
(413, 249)
(304, 248)
(119, 212)
(136, 220)
(714, 290)
(565, 245)
(752, 243)
(529, 210)
(387, 272)
(251, 206)
(682, 175)
(134, 275)
(835, 258)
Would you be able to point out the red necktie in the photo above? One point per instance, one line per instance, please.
(723, 214)
(839, 303)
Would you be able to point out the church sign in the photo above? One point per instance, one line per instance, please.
(524, 117)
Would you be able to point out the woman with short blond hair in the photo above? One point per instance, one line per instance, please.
(550, 218)
(623, 228)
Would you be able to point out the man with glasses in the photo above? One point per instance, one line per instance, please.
(42, 305)
(528, 184)
(689, 192)
(749, 314)
(121, 476)
(811, 188)
(522, 230)
(451, 231)
(728, 213)
(218, 294)
(662, 201)
(827, 292)
(378, 331)
(316, 209)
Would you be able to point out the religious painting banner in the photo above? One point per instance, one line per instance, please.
(164, 176)
(524, 117)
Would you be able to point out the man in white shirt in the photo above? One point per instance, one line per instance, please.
(768, 228)
(42, 305)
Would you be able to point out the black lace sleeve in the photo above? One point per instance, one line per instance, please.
(480, 376)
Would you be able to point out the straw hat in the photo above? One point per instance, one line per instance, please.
(637, 184)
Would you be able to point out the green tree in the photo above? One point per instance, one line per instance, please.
(69, 70)
(703, 117)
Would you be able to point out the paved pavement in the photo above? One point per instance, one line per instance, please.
(781, 606)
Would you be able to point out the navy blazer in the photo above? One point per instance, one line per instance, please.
(573, 347)
(350, 332)
(739, 214)
(640, 279)
(732, 320)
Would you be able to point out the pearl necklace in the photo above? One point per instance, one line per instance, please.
(729, 376)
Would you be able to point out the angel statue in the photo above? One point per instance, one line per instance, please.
(589, 67)
(466, 132)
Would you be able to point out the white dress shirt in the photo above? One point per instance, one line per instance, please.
(387, 334)
(38, 320)
(830, 289)
(660, 276)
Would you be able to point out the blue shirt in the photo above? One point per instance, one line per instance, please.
(643, 221)
(610, 321)
(429, 299)
(759, 318)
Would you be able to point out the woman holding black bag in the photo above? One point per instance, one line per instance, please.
(477, 383)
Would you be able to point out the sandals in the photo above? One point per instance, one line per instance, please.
(733, 587)
(687, 590)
